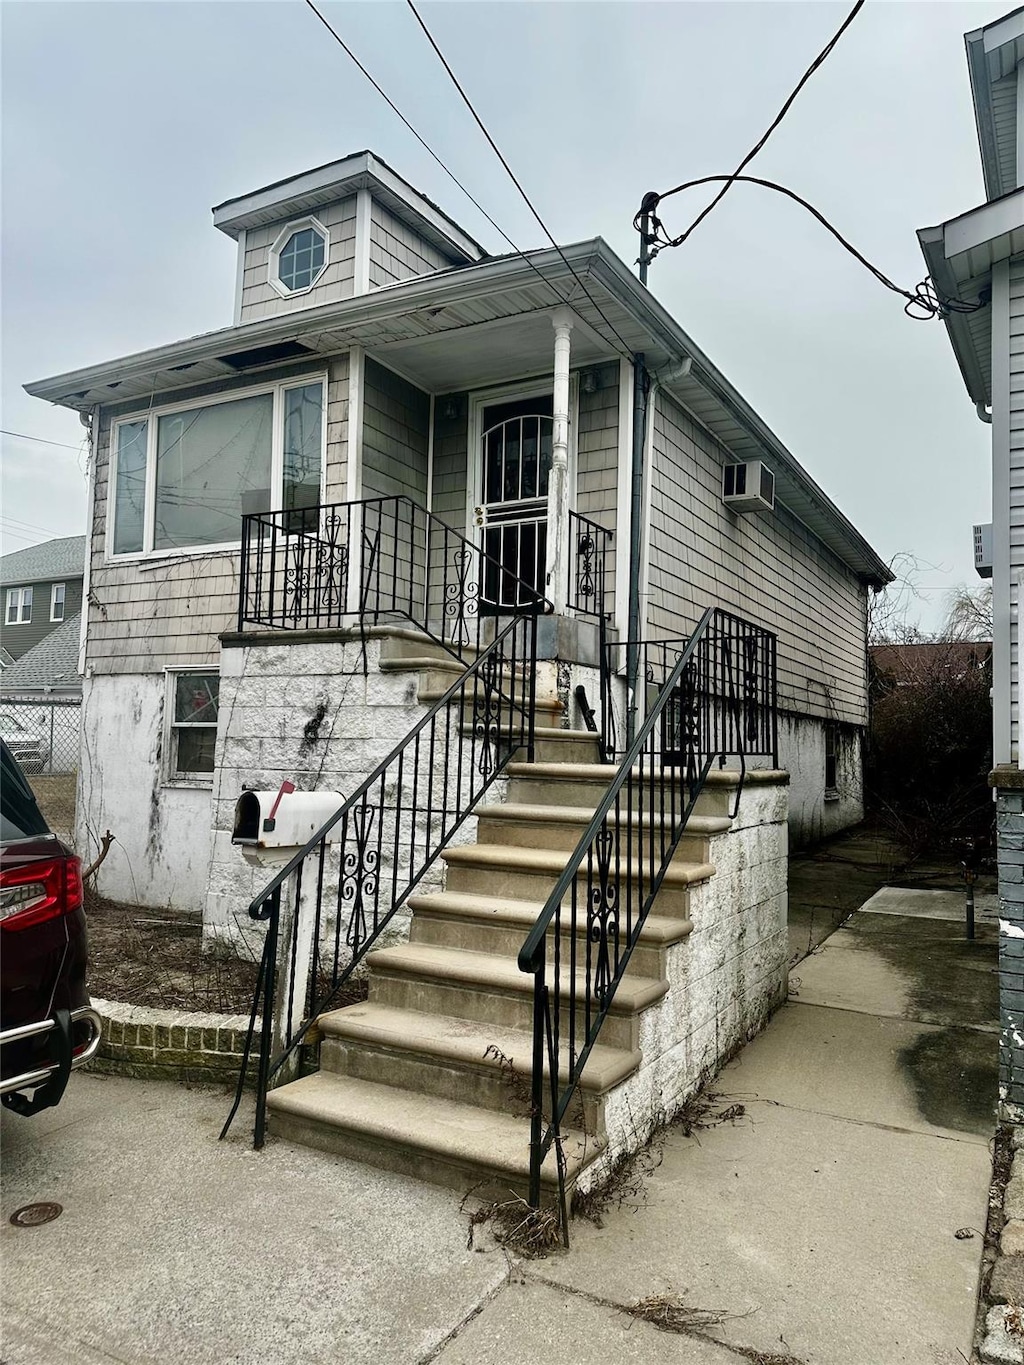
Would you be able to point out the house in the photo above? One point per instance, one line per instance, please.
(977, 259)
(902, 664)
(427, 532)
(41, 588)
(49, 668)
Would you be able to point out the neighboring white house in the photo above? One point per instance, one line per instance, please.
(978, 259)
(307, 526)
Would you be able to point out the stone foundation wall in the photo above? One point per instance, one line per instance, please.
(1009, 788)
(726, 978)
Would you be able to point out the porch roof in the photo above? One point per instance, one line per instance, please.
(475, 325)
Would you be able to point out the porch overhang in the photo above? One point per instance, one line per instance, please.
(477, 325)
(960, 255)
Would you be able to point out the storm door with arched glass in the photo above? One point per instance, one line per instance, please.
(516, 451)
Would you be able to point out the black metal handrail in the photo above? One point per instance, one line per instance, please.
(371, 561)
(589, 543)
(709, 698)
(339, 892)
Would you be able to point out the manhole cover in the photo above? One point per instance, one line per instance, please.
(31, 1215)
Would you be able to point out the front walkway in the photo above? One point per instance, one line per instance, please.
(821, 1221)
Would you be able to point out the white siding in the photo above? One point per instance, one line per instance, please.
(398, 252)
(1004, 119)
(260, 300)
(768, 568)
(1016, 479)
(146, 615)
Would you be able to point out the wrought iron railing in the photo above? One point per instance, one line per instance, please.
(709, 698)
(375, 561)
(330, 904)
(589, 544)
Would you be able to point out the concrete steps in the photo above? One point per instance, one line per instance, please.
(432, 1075)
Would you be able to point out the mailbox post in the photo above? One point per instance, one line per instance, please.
(271, 828)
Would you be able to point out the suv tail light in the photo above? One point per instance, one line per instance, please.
(39, 891)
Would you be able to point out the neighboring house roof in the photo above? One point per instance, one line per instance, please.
(993, 54)
(51, 664)
(960, 255)
(52, 560)
(446, 305)
(310, 190)
(912, 662)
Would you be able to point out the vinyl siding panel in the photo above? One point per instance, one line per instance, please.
(398, 252)
(19, 637)
(1004, 119)
(769, 568)
(1016, 490)
(597, 462)
(150, 614)
(260, 300)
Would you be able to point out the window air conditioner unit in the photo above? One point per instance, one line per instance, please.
(748, 487)
(983, 550)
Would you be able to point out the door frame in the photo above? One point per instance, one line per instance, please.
(512, 392)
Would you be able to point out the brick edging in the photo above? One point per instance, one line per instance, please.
(177, 1045)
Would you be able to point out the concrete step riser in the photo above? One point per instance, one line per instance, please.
(537, 886)
(505, 1089)
(410, 1161)
(693, 848)
(504, 940)
(589, 792)
(462, 1001)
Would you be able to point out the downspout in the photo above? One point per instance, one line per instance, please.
(91, 422)
(640, 382)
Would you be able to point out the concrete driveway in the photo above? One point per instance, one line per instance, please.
(819, 1223)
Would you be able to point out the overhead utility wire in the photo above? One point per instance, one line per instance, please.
(730, 180)
(925, 297)
(515, 180)
(22, 436)
(427, 147)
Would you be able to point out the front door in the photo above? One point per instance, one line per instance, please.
(516, 462)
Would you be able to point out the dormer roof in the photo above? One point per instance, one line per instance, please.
(305, 193)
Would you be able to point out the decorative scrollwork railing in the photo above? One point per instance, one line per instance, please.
(372, 562)
(589, 544)
(709, 698)
(330, 904)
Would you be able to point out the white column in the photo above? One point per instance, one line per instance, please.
(558, 480)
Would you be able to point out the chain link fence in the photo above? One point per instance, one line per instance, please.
(43, 733)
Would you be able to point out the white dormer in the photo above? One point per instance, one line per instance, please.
(994, 56)
(330, 233)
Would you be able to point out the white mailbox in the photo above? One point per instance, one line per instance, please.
(271, 826)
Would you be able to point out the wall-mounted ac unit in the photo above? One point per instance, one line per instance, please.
(983, 550)
(749, 487)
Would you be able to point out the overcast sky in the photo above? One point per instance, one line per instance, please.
(124, 123)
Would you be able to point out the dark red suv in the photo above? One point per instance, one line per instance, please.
(47, 1025)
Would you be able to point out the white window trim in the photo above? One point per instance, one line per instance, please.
(279, 243)
(17, 595)
(171, 777)
(53, 601)
(152, 416)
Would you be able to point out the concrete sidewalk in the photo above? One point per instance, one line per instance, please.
(821, 1222)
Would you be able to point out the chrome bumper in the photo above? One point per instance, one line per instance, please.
(31, 1078)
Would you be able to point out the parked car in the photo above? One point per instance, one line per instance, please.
(47, 1024)
(30, 747)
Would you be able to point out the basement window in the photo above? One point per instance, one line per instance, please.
(194, 700)
(831, 762)
(183, 477)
